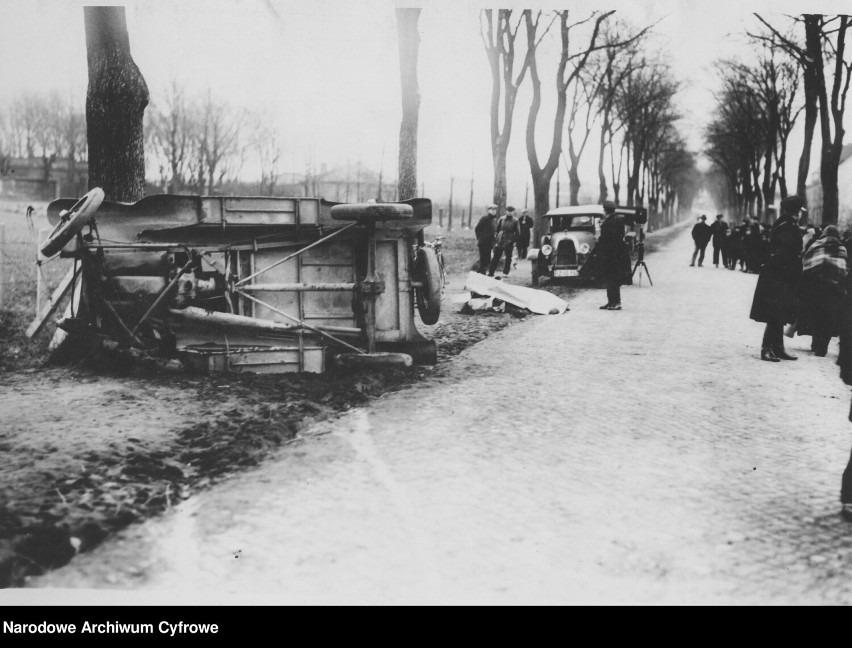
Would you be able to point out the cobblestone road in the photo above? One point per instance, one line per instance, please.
(641, 456)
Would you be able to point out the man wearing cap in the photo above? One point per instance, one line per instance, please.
(526, 223)
(701, 235)
(719, 231)
(508, 232)
(775, 296)
(485, 230)
(613, 257)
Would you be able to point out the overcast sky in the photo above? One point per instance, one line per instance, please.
(327, 71)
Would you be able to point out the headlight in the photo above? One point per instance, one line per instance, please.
(546, 249)
(584, 248)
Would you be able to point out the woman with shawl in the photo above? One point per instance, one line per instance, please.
(824, 269)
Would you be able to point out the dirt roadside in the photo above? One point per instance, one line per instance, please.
(91, 449)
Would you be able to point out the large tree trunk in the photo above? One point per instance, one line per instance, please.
(409, 44)
(115, 104)
(811, 75)
(602, 186)
(541, 200)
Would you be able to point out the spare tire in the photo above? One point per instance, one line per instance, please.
(72, 222)
(428, 294)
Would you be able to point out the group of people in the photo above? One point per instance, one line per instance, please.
(806, 284)
(497, 239)
(745, 245)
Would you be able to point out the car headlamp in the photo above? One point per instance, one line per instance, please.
(546, 249)
(584, 248)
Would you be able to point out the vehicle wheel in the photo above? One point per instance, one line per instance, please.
(73, 221)
(428, 294)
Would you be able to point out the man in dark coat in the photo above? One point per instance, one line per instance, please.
(736, 254)
(701, 235)
(507, 232)
(775, 296)
(844, 359)
(485, 230)
(613, 257)
(719, 232)
(526, 223)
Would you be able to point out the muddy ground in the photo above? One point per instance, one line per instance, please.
(92, 448)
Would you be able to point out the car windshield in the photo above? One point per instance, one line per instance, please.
(574, 221)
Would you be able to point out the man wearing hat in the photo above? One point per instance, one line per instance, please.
(485, 230)
(719, 231)
(701, 234)
(508, 232)
(527, 224)
(775, 296)
(613, 257)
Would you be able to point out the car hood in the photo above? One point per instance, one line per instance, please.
(579, 237)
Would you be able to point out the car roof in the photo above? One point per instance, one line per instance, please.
(596, 210)
(575, 210)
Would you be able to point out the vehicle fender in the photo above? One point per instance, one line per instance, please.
(532, 254)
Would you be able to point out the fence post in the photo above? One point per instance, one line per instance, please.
(2, 263)
(40, 287)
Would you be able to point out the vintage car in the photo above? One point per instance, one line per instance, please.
(570, 237)
(248, 284)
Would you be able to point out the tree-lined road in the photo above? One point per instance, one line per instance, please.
(640, 456)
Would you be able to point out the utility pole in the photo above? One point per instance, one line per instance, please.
(450, 210)
(470, 204)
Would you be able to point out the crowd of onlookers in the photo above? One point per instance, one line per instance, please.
(743, 246)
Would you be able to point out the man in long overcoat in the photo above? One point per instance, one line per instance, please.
(775, 296)
(526, 223)
(613, 257)
(485, 230)
(719, 231)
(701, 234)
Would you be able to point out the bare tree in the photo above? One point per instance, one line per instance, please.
(173, 129)
(570, 66)
(646, 108)
(825, 42)
(409, 44)
(265, 142)
(115, 104)
(499, 41)
(219, 142)
(619, 58)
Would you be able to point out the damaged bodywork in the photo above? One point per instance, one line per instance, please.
(258, 284)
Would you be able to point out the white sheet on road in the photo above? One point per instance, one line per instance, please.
(540, 302)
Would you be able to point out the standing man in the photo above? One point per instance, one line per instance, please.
(701, 235)
(719, 232)
(485, 230)
(613, 257)
(775, 296)
(508, 232)
(526, 223)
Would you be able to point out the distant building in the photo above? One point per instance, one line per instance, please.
(42, 178)
(813, 192)
(347, 184)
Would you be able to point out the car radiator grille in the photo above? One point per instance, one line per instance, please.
(566, 255)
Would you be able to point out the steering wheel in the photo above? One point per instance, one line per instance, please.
(72, 221)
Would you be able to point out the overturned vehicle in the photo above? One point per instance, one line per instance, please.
(249, 284)
(571, 234)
